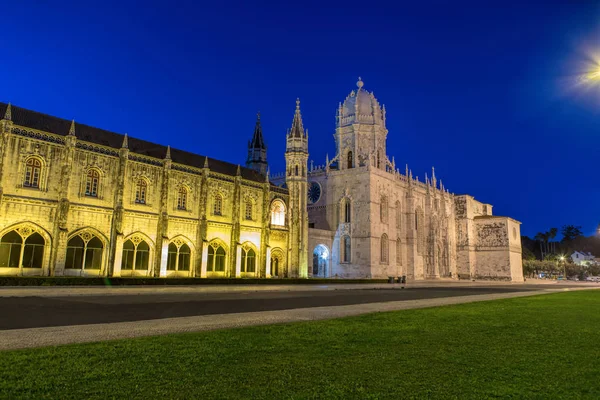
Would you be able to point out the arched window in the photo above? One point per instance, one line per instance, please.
(135, 255)
(178, 257)
(350, 160)
(22, 248)
(92, 182)
(33, 172)
(347, 209)
(383, 209)
(278, 213)
(274, 266)
(84, 251)
(182, 198)
(296, 170)
(218, 205)
(346, 249)
(248, 260)
(398, 251)
(378, 159)
(398, 215)
(248, 213)
(140, 191)
(216, 258)
(384, 248)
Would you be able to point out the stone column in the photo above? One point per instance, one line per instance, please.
(238, 261)
(268, 264)
(204, 259)
(118, 257)
(164, 258)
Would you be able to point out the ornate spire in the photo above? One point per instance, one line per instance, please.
(168, 155)
(72, 128)
(239, 171)
(267, 176)
(257, 140)
(297, 127)
(8, 113)
(206, 162)
(125, 144)
(360, 83)
(433, 180)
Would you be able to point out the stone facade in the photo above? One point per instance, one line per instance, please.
(77, 200)
(368, 220)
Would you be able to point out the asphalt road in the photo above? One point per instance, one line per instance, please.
(35, 312)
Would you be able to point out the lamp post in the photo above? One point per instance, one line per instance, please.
(562, 259)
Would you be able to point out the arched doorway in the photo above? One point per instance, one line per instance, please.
(320, 261)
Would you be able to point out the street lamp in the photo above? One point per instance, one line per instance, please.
(562, 259)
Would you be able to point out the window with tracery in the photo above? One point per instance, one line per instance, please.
(383, 209)
(216, 258)
(384, 248)
(248, 210)
(248, 260)
(278, 213)
(347, 209)
(22, 248)
(398, 251)
(33, 172)
(345, 248)
(218, 205)
(92, 182)
(350, 160)
(84, 251)
(136, 255)
(178, 256)
(141, 188)
(182, 198)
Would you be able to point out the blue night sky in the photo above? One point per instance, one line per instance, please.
(484, 91)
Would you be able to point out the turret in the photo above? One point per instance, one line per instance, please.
(257, 150)
(296, 159)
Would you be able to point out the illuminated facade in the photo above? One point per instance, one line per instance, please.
(80, 201)
(368, 220)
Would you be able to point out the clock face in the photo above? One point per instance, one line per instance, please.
(314, 192)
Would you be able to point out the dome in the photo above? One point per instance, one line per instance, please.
(360, 106)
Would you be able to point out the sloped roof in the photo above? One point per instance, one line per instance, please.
(48, 123)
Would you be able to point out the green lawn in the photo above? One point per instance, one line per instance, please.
(545, 346)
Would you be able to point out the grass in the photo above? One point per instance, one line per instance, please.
(541, 347)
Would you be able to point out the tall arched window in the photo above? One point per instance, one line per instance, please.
(378, 159)
(350, 160)
(182, 198)
(135, 255)
(33, 172)
(274, 266)
(248, 260)
(296, 170)
(22, 248)
(92, 182)
(346, 249)
(178, 257)
(218, 204)
(384, 248)
(398, 251)
(84, 251)
(248, 213)
(398, 215)
(383, 209)
(216, 258)
(278, 213)
(141, 188)
(347, 210)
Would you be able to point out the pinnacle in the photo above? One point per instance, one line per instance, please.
(125, 144)
(72, 128)
(8, 113)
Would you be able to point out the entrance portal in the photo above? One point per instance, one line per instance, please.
(320, 261)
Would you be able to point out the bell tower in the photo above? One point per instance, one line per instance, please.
(257, 150)
(296, 158)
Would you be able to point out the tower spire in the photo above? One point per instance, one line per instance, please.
(297, 126)
(257, 149)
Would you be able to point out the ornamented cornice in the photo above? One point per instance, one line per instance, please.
(46, 137)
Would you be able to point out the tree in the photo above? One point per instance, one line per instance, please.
(571, 232)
